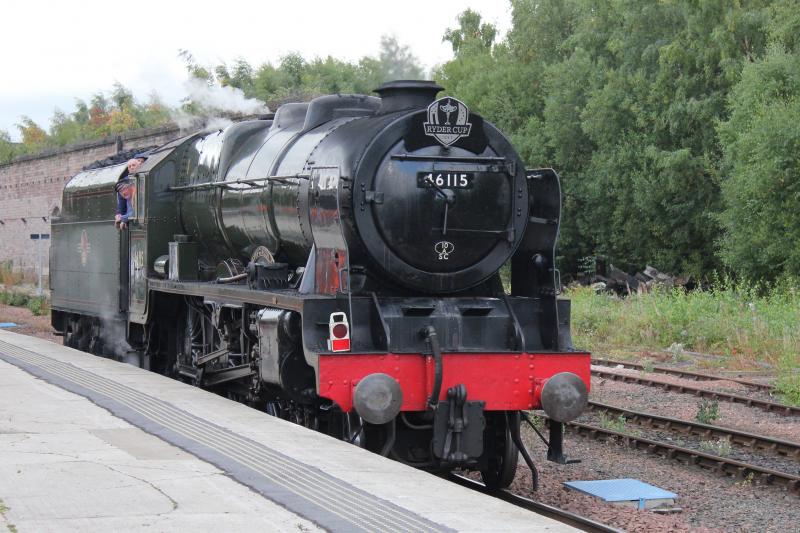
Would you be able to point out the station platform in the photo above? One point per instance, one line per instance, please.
(90, 444)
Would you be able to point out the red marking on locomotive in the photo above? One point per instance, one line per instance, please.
(506, 381)
(340, 345)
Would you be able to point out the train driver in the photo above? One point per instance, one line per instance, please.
(125, 191)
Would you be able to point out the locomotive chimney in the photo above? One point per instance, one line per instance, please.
(406, 94)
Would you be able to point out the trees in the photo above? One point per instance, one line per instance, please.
(8, 149)
(622, 98)
(294, 78)
(104, 115)
(761, 147)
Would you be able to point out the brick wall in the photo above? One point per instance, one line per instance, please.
(30, 188)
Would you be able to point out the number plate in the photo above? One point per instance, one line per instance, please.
(445, 179)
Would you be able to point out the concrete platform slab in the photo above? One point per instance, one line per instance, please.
(315, 478)
(78, 468)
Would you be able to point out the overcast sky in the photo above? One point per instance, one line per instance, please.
(54, 52)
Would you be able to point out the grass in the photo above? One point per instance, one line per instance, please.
(617, 424)
(745, 323)
(720, 447)
(707, 411)
(10, 277)
(12, 294)
(746, 481)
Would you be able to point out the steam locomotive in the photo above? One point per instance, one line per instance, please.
(339, 264)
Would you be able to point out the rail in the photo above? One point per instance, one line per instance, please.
(697, 376)
(742, 438)
(566, 517)
(779, 408)
(717, 464)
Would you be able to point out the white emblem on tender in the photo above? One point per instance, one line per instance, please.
(444, 249)
(84, 248)
(442, 126)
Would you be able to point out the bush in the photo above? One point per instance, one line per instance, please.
(707, 411)
(38, 306)
(18, 299)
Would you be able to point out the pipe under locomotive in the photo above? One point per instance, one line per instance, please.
(338, 264)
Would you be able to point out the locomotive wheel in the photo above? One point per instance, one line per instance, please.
(190, 344)
(69, 339)
(96, 344)
(83, 334)
(503, 461)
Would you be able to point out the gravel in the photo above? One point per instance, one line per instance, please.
(732, 450)
(685, 406)
(709, 502)
(29, 324)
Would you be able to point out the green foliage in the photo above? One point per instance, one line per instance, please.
(788, 382)
(18, 299)
(38, 306)
(14, 298)
(720, 447)
(33, 137)
(746, 481)
(788, 386)
(104, 115)
(749, 322)
(707, 411)
(761, 142)
(8, 149)
(617, 424)
(471, 34)
(622, 98)
(294, 78)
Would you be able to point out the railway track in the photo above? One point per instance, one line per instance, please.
(706, 431)
(697, 376)
(766, 405)
(577, 521)
(720, 465)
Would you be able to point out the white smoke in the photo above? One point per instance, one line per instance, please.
(211, 101)
(112, 334)
(228, 99)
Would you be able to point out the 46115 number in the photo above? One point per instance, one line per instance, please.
(445, 180)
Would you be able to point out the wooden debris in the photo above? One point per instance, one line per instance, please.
(616, 281)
